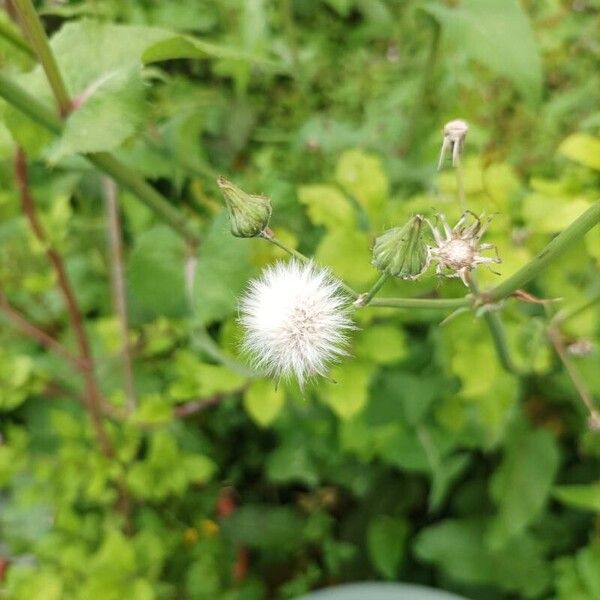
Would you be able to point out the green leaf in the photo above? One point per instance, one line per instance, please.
(497, 34)
(222, 272)
(458, 548)
(386, 539)
(582, 148)
(545, 214)
(291, 463)
(347, 394)
(383, 344)
(327, 206)
(155, 275)
(363, 177)
(263, 401)
(113, 112)
(522, 483)
(583, 496)
(183, 46)
(347, 253)
(578, 576)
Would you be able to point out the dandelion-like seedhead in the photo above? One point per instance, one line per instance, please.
(458, 251)
(296, 320)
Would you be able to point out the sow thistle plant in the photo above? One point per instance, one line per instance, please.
(297, 316)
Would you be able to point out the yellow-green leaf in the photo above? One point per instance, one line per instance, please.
(263, 401)
(382, 344)
(327, 206)
(347, 391)
(582, 148)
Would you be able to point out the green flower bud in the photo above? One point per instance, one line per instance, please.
(402, 251)
(248, 215)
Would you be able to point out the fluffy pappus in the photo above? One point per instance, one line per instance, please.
(296, 320)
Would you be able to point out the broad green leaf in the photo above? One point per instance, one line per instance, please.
(222, 272)
(263, 401)
(497, 34)
(327, 206)
(578, 576)
(521, 485)
(458, 548)
(386, 539)
(155, 275)
(363, 177)
(582, 148)
(347, 253)
(550, 215)
(586, 497)
(346, 392)
(113, 112)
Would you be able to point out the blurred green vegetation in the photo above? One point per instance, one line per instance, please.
(425, 462)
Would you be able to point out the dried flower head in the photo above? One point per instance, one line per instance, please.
(455, 133)
(296, 320)
(458, 251)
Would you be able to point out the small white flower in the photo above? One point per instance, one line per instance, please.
(296, 320)
(458, 251)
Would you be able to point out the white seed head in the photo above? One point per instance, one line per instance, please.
(455, 133)
(296, 320)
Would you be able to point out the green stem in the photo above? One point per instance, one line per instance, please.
(427, 303)
(496, 328)
(10, 35)
(365, 299)
(574, 232)
(460, 185)
(34, 31)
(124, 176)
(268, 235)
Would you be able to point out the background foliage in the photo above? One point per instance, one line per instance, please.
(425, 462)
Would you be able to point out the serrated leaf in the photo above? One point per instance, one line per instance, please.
(521, 485)
(582, 148)
(497, 34)
(386, 539)
(263, 401)
(112, 113)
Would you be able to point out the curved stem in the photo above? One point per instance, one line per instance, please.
(574, 232)
(34, 31)
(366, 298)
(498, 333)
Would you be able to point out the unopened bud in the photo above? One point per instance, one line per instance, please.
(455, 133)
(248, 214)
(402, 251)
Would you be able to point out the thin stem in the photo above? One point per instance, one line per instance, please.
(34, 31)
(268, 235)
(115, 247)
(578, 381)
(13, 37)
(574, 232)
(498, 333)
(424, 303)
(124, 176)
(93, 395)
(366, 298)
(35, 333)
(460, 184)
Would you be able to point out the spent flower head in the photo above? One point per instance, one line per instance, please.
(248, 214)
(296, 320)
(458, 251)
(455, 133)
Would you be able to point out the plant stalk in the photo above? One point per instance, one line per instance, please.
(34, 32)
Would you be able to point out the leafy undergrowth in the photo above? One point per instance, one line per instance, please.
(420, 459)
